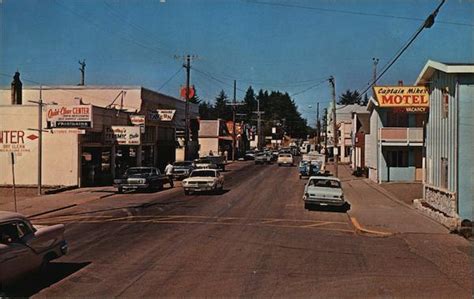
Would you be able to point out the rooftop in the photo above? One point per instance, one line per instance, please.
(448, 67)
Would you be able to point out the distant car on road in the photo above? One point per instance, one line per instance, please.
(249, 155)
(25, 248)
(263, 158)
(182, 169)
(204, 163)
(323, 191)
(141, 178)
(203, 180)
(285, 159)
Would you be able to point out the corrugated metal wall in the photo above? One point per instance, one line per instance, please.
(441, 133)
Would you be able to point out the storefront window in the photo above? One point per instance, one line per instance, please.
(398, 158)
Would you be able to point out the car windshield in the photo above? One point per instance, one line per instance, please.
(132, 171)
(183, 164)
(204, 161)
(327, 183)
(285, 155)
(203, 173)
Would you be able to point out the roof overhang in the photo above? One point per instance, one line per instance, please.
(432, 66)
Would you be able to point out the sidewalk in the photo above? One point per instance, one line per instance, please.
(376, 209)
(29, 203)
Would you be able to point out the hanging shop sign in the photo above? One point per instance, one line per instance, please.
(137, 120)
(407, 98)
(122, 135)
(166, 115)
(78, 116)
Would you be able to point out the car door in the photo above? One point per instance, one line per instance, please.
(16, 258)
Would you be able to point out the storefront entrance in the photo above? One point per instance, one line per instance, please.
(95, 166)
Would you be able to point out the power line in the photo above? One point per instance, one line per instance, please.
(428, 23)
(309, 88)
(170, 78)
(134, 41)
(367, 14)
(216, 79)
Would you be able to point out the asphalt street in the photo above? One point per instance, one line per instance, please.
(255, 239)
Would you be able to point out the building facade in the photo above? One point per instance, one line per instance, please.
(97, 153)
(394, 147)
(449, 181)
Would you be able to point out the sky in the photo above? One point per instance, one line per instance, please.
(290, 46)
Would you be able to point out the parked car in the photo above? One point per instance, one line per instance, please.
(275, 155)
(204, 163)
(182, 169)
(285, 159)
(249, 155)
(203, 180)
(218, 160)
(141, 178)
(263, 158)
(25, 248)
(323, 191)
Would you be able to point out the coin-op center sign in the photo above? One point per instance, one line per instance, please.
(78, 116)
(410, 98)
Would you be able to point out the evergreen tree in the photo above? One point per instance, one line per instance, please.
(350, 97)
(222, 110)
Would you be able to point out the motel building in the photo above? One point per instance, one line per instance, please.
(394, 147)
(90, 134)
(449, 179)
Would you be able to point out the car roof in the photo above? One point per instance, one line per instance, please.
(7, 216)
(333, 178)
(207, 169)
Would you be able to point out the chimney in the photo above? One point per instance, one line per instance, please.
(17, 89)
(400, 82)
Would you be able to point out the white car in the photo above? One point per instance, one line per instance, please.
(323, 191)
(203, 180)
(25, 248)
(285, 159)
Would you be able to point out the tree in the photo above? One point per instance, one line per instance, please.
(195, 99)
(366, 100)
(250, 104)
(206, 111)
(350, 97)
(222, 110)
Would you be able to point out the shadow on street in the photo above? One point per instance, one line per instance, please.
(34, 283)
(343, 209)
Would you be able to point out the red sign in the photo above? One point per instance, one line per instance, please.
(191, 92)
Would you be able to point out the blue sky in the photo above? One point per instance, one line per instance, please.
(280, 45)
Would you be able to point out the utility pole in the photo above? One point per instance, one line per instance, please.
(318, 129)
(259, 124)
(40, 137)
(234, 105)
(83, 71)
(334, 125)
(186, 111)
(325, 119)
(374, 75)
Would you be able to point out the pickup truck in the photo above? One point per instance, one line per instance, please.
(25, 248)
(142, 178)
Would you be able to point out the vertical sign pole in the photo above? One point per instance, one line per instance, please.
(14, 185)
(40, 139)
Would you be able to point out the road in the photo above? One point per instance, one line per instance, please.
(253, 240)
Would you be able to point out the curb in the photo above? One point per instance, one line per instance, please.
(51, 211)
(362, 230)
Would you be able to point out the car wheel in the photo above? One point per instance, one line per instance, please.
(279, 164)
(120, 190)
(307, 206)
(186, 192)
(222, 187)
